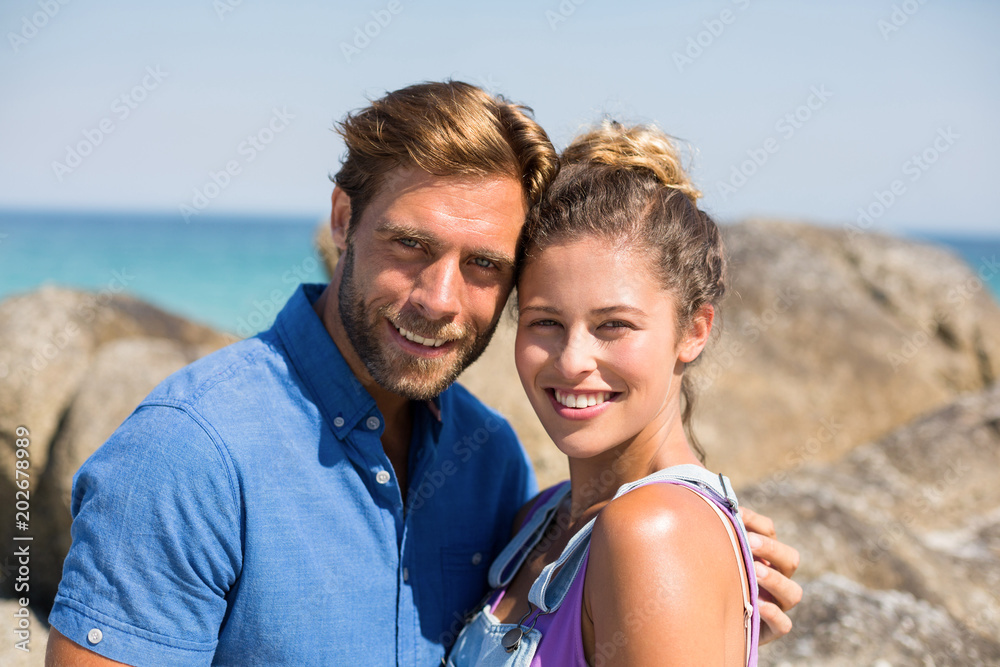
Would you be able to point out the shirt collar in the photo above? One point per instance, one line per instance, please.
(341, 398)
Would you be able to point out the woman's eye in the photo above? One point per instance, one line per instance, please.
(543, 323)
(616, 324)
(483, 263)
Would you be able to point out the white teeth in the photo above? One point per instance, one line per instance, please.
(429, 342)
(582, 400)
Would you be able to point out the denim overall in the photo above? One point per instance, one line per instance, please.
(485, 642)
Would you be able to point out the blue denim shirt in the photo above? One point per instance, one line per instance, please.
(246, 514)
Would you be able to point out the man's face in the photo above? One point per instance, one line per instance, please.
(426, 272)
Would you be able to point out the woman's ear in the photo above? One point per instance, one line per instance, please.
(697, 334)
(340, 217)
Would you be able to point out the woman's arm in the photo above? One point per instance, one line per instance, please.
(663, 583)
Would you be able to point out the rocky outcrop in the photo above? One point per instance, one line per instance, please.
(843, 624)
(912, 524)
(74, 365)
(831, 339)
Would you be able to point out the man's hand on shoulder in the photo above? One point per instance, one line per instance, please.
(64, 652)
(775, 563)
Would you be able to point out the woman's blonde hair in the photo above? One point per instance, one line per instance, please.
(627, 185)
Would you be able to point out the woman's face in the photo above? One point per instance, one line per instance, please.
(596, 348)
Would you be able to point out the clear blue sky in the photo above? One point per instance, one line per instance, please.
(924, 81)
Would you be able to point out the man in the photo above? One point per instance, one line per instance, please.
(259, 507)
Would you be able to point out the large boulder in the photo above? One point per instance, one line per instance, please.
(843, 624)
(917, 512)
(831, 339)
(73, 365)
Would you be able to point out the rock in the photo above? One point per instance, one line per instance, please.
(917, 511)
(831, 340)
(10, 655)
(48, 339)
(843, 624)
(122, 373)
(54, 342)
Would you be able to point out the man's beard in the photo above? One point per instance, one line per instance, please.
(394, 370)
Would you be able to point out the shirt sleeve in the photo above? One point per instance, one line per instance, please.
(156, 543)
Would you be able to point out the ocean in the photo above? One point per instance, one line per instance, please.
(230, 272)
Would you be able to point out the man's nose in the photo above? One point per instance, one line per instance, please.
(437, 294)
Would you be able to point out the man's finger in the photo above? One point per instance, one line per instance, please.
(784, 592)
(757, 523)
(774, 622)
(780, 556)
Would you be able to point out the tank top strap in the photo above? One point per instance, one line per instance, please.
(549, 589)
(509, 561)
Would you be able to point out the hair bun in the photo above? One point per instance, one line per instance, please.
(639, 147)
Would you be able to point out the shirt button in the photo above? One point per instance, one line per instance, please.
(382, 477)
(372, 423)
(95, 636)
(406, 574)
(477, 558)
(338, 421)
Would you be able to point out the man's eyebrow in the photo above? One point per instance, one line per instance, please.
(393, 228)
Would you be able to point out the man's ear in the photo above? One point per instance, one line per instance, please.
(697, 334)
(340, 217)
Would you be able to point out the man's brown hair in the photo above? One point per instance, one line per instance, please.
(447, 128)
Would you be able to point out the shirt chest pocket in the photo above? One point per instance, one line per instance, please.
(464, 571)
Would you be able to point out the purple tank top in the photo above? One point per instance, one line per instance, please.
(562, 637)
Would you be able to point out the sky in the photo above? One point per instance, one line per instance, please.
(879, 114)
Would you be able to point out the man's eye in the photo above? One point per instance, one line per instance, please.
(483, 263)
(409, 243)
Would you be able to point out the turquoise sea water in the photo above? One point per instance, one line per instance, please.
(233, 273)
(230, 273)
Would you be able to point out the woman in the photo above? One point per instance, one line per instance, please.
(640, 558)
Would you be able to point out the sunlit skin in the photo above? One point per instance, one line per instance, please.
(594, 320)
